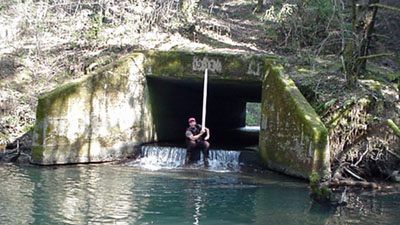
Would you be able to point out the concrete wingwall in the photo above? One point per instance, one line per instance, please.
(292, 139)
(107, 115)
(98, 118)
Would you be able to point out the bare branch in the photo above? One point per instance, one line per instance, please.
(375, 56)
(386, 7)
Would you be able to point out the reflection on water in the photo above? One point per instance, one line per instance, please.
(16, 203)
(106, 194)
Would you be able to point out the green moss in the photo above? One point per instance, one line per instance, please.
(318, 192)
(297, 103)
(180, 64)
(114, 75)
(234, 64)
(325, 191)
(37, 153)
(62, 90)
(314, 179)
(168, 63)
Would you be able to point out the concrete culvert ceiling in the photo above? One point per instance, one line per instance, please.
(174, 100)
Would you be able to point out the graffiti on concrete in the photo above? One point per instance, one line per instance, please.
(203, 63)
(255, 68)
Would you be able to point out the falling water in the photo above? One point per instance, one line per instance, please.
(161, 157)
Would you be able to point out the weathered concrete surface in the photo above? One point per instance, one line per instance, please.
(191, 65)
(99, 118)
(292, 139)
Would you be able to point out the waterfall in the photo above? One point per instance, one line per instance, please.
(161, 157)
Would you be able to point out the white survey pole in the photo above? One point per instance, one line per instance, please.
(203, 118)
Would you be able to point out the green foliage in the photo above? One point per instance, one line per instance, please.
(95, 28)
(392, 77)
(325, 106)
(253, 114)
(378, 78)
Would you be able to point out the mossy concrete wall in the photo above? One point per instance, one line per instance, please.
(292, 139)
(191, 65)
(101, 117)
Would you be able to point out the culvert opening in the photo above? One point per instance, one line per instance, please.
(174, 100)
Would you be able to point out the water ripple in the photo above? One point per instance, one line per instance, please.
(130, 195)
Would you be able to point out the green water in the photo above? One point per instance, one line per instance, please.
(115, 194)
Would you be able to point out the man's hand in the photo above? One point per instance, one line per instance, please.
(208, 134)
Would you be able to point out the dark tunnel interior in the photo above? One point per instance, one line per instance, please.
(174, 100)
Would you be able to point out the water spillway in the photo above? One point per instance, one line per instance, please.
(170, 157)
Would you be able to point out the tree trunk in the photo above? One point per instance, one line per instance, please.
(369, 22)
(349, 53)
(357, 47)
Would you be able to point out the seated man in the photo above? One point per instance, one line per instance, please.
(195, 138)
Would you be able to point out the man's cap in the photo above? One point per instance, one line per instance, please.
(191, 119)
